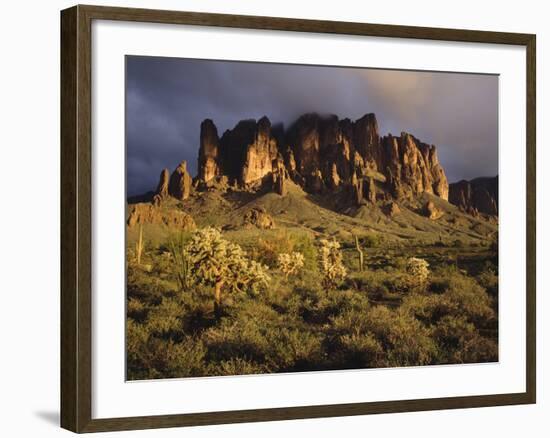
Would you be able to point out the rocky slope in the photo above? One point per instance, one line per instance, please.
(479, 195)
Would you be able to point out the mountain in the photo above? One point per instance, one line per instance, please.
(321, 154)
(479, 195)
(328, 175)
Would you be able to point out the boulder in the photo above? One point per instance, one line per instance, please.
(431, 211)
(392, 209)
(259, 218)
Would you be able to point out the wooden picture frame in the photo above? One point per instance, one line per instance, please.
(76, 218)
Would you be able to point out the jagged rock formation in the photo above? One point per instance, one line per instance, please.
(279, 177)
(180, 182)
(208, 152)
(322, 154)
(370, 190)
(244, 154)
(413, 167)
(162, 188)
(479, 195)
(144, 213)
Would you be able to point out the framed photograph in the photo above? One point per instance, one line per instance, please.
(269, 219)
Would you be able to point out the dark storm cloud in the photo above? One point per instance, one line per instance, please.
(167, 99)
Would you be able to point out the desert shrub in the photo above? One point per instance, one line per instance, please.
(137, 337)
(235, 367)
(149, 357)
(164, 320)
(460, 342)
(291, 264)
(380, 283)
(136, 310)
(472, 300)
(488, 279)
(429, 309)
(330, 262)
(222, 264)
(417, 270)
(406, 340)
(307, 304)
(385, 338)
(462, 296)
(267, 249)
(196, 310)
(438, 285)
(372, 240)
(356, 350)
(293, 349)
(149, 289)
(315, 306)
(231, 340)
(184, 358)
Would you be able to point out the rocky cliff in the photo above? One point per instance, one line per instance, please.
(479, 195)
(322, 154)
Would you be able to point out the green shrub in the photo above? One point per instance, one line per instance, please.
(235, 367)
(267, 248)
(136, 310)
(407, 342)
(460, 342)
(356, 350)
(488, 279)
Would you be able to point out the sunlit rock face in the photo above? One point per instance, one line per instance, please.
(180, 182)
(260, 153)
(413, 167)
(322, 154)
(208, 151)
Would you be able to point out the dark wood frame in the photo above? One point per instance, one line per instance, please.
(76, 173)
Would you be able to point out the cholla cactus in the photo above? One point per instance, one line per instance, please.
(290, 264)
(222, 264)
(418, 271)
(330, 262)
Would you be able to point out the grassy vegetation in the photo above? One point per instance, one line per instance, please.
(383, 316)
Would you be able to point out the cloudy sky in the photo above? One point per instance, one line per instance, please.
(167, 98)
